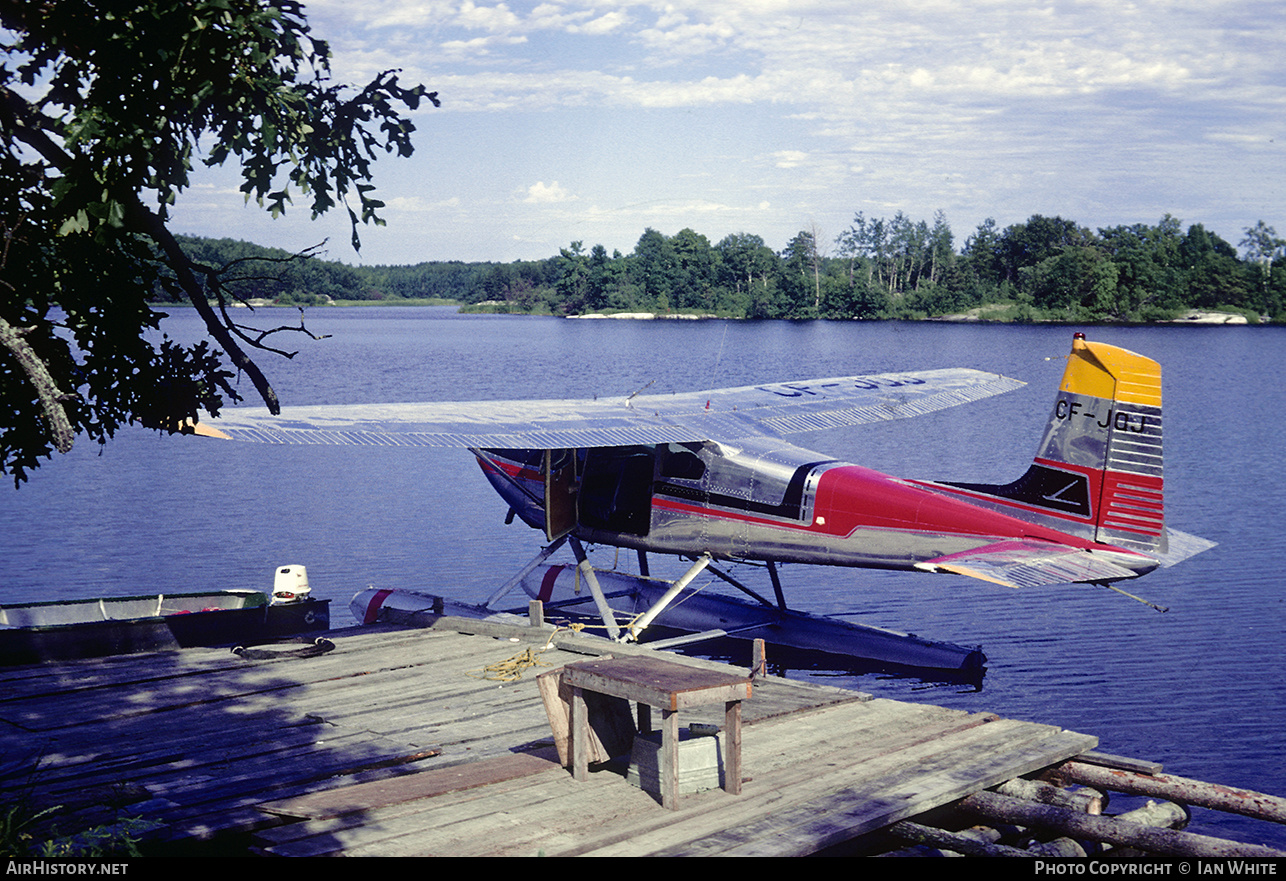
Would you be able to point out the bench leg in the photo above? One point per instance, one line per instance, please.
(732, 743)
(669, 759)
(580, 735)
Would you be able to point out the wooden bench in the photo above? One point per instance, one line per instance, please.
(652, 682)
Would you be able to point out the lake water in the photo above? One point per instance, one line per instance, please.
(1199, 688)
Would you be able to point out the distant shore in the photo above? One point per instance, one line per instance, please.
(989, 314)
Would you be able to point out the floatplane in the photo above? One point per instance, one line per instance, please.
(709, 477)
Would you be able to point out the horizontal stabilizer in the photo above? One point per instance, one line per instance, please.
(1029, 564)
(1180, 546)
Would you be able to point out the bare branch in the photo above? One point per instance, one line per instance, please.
(51, 397)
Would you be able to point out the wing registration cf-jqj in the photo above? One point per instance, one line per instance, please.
(709, 475)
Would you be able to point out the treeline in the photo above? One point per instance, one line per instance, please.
(1046, 268)
(251, 272)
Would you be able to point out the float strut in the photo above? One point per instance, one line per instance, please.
(536, 561)
(596, 590)
(739, 586)
(659, 606)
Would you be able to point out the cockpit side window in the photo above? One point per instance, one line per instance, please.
(681, 461)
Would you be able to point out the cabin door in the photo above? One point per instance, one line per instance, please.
(559, 472)
(616, 489)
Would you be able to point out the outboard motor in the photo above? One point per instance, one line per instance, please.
(290, 585)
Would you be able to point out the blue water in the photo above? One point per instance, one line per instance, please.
(1199, 688)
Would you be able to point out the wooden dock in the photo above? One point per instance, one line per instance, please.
(416, 742)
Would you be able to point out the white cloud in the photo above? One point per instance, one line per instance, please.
(540, 193)
(419, 205)
(497, 19)
(480, 45)
(604, 24)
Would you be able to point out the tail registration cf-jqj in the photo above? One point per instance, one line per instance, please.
(709, 476)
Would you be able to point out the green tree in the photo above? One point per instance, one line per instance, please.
(1263, 247)
(1214, 274)
(745, 269)
(1024, 245)
(910, 248)
(801, 276)
(1080, 281)
(853, 248)
(1151, 278)
(942, 252)
(105, 106)
(981, 254)
(655, 268)
(694, 276)
(573, 283)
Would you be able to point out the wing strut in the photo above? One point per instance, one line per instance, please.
(776, 585)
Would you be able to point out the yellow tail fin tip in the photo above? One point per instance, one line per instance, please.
(1112, 373)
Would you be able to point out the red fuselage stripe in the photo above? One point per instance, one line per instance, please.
(373, 607)
(547, 583)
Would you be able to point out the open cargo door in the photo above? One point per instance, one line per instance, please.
(561, 487)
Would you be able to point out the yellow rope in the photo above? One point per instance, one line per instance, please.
(512, 668)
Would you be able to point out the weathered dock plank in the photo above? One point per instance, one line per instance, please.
(781, 814)
(822, 788)
(367, 796)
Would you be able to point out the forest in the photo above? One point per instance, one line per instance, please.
(1044, 269)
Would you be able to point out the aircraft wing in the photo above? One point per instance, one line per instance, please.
(479, 424)
(721, 415)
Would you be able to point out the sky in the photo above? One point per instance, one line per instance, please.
(578, 120)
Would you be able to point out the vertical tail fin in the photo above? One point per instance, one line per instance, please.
(1098, 471)
(1106, 427)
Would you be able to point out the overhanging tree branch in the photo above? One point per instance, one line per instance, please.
(103, 107)
(139, 219)
(51, 397)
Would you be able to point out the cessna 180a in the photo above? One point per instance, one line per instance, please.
(708, 475)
